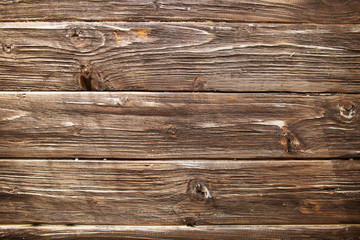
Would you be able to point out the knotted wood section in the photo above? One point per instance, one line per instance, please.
(186, 119)
(183, 192)
(225, 57)
(178, 125)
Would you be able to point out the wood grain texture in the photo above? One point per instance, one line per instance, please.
(329, 232)
(179, 192)
(319, 11)
(178, 125)
(179, 57)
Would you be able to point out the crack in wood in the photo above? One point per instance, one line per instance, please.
(90, 79)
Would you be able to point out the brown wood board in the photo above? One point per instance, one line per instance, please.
(132, 119)
(179, 57)
(179, 192)
(318, 11)
(178, 125)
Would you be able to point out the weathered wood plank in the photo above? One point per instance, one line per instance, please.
(179, 192)
(329, 232)
(179, 57)
(178, 125)
(320, 11)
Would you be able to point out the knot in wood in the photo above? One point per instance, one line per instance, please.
(76, 131)
(290, 142)
(90, 79)
(76, 34)
(78, 37)
(14, 190)
(347, 110)
(198, 190)
(190, 221)
(156, 4)
(7, 48)
(172, 132)
(250, 28)
(198, 84)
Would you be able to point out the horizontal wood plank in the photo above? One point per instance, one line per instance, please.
(178, 125)
(179, 192)
(319, 11)
(179, 57)
(329, 232)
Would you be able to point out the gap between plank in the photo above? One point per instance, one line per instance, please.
(172, 159)
(193, 20)
(177, 226)
(190, 92)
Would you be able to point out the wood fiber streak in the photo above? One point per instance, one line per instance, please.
(178, 125)
(179, 57)
(319, 11)
(329, 232)
(173, 192)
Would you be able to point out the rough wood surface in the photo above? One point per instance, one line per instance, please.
(329, 232)
(178, 125)
(179, 57)
(179, 192)
(318, 11)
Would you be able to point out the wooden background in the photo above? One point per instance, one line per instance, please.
(163, 119)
